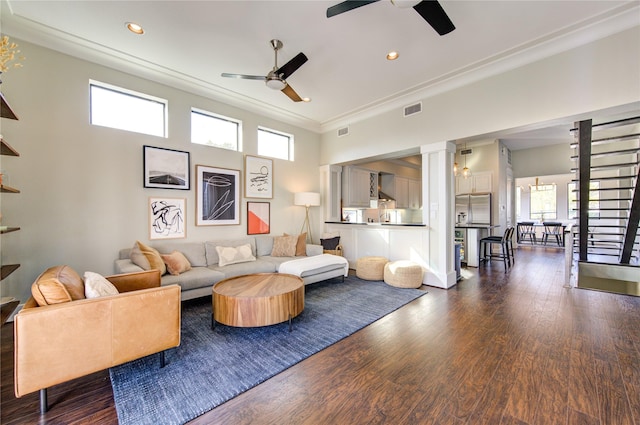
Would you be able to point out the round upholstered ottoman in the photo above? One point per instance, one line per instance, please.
(371, 268)
(403, 274)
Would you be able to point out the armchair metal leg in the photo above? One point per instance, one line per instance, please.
(162, 359)
(44, 405)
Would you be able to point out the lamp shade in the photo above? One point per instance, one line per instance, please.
(307, 199)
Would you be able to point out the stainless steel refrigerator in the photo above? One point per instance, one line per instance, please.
(473, 209)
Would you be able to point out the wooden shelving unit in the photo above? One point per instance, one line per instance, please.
(7, 149)
(8, 189)
(5, 109)
(8, 230)
(7, 269)
(7, 304)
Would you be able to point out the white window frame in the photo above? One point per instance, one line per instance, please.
(132, 93)
(550, 215)
(594, 200)
(290, 145)
(238, 123)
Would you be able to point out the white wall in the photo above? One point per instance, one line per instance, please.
(542, 161)
(82, 196)
(593, 77)
(561, 181)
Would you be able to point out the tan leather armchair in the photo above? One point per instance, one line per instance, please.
(60, 342)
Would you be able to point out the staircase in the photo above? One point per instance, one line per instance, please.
(607, 201)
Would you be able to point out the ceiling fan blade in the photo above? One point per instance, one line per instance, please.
(289, 91)
(434, 14)
(346, 6)
(290, 67)
(244, 77)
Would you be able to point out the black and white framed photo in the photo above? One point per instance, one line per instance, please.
(167, 218)
(165, 168)
(258, 177)
(217, 196)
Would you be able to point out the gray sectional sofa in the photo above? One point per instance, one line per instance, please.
(205, 270)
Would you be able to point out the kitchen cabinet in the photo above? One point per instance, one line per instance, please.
(476, 183)
(415, 194)
(407, 192)
(359, 187)
(401, 192)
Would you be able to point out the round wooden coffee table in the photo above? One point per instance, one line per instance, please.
(260, 299)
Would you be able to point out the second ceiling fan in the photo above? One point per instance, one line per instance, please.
(276, 78)
(430, 10)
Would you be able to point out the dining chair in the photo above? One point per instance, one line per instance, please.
(527, 229)
(553, 229)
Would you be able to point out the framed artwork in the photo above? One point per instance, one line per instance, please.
(258, 218)
(165, 168)
(217, 196)
(166, 218)
(258, 177)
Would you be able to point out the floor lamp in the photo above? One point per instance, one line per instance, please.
(307, 199)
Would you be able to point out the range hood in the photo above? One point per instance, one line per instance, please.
(384, 197)
(381, 195)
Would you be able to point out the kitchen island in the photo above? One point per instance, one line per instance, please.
(472, 233)
(395, 241)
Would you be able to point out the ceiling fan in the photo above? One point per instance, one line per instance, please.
(430, 10)
(276, 78)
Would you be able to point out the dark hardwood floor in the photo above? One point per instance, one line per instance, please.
(498, 348)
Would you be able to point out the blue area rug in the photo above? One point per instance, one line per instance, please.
(211, 367)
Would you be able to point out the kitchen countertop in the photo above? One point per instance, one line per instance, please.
(378, 224)
(476, 226)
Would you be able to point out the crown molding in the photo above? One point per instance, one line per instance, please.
(614, 21)
(54, 39)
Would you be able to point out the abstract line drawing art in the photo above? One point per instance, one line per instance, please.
(166, 218)
(218, 196)
(258, 218)
(258, 177)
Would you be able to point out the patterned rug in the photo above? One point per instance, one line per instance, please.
(212, 366)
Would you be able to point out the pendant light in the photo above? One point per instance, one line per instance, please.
(466, 172)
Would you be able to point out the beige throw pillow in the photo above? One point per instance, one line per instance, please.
(138, 258)
(176, 262)
(284, 246)
(96, 285)
(232, 255)
(301, 244)
(153, 257)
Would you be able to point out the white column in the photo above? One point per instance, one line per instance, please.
(438, 207)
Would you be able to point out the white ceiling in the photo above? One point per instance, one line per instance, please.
(190, 43)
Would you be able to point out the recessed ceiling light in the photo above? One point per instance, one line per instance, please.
(306, 99)
(392, 56)
(135, 28)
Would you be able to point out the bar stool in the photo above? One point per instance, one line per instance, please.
(506, 248)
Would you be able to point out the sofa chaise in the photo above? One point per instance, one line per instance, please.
(206, 268)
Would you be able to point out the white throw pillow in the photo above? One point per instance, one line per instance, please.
(231, 255)
(96, 285)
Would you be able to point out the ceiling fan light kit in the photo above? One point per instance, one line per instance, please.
(276, 78)
(430, 10)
